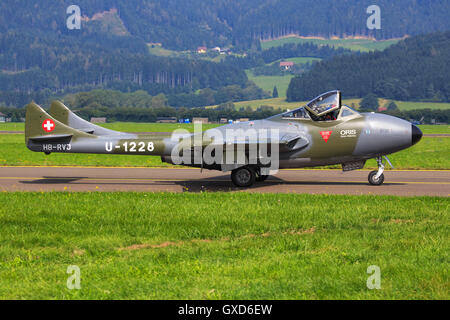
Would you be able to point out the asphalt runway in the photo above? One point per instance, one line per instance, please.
(75, 179)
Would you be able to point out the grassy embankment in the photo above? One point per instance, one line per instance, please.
(222, 246)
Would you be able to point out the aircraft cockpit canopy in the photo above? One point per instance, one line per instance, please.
(325, 107)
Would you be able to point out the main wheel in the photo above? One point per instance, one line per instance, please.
(243, 177)
(373, 181)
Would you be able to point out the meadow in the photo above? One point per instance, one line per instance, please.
(222, 246)
(280, 102)
(429, 153)
(298, 60)
(267, 83)
(124, 126)
(363, 45)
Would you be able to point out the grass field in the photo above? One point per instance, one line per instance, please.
(163, 52)
(169, 127)
(160, 51)
(363, 45)
(126, 126)
(435, 129)
(299, 60)
(429, 153)
(153, 127)
(280, 102)
(410, 105)
(222, 246)
(14, 152)
(268, 82)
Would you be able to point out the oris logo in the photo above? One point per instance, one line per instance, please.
(348, 133)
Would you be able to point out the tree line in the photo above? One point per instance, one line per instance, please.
(225, 110)
(142, 99)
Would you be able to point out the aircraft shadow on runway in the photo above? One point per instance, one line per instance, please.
(212, 184)
(53, 180)
(215, 185)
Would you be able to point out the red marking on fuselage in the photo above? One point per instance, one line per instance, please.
(325, 135)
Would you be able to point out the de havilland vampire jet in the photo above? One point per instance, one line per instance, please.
(323, 132)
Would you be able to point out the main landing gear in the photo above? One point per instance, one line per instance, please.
(245, 177)
(376, 177)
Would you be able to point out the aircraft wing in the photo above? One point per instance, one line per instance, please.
(286, 143)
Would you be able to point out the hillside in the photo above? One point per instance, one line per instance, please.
(187, 24)
(35, 66)
(417, 68)
(40, 58)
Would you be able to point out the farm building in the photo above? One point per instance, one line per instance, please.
(286, 65)
(201, 50)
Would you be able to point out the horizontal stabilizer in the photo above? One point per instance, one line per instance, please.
(52, 138)
(90, 131)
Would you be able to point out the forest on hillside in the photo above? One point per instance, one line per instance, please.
(36, 66)
(40, 58)
(417, 68)
(183, 25)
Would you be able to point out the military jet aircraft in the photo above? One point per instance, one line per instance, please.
(322, 132)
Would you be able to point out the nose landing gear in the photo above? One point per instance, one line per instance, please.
(376, 177)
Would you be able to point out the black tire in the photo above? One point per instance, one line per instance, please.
(243, 177)
(373, 181)
(260, 178)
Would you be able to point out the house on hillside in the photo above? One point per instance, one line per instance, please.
(2, 117)
(201, 50)
(226, 51)
(286, 65)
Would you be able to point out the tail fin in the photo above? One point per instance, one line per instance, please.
(60, 112)
(42, 128)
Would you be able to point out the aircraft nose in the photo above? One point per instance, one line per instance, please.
(416, 134)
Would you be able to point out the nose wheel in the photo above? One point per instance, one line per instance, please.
(376, 177)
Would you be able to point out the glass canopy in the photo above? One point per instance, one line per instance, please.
(326, 107)
(325, 103)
